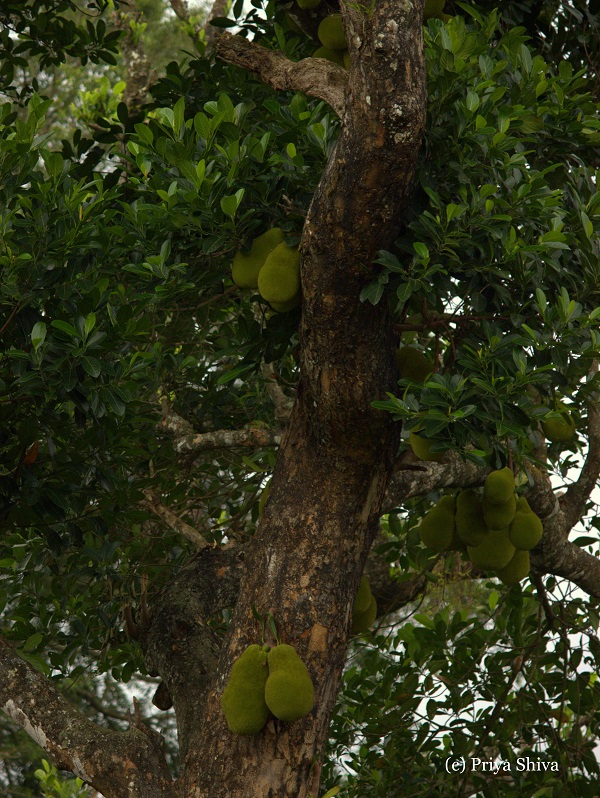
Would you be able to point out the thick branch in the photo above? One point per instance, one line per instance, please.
(282, 403)
(227, 439)
(181, 9)
(119, 764)
(313, 76)
(574, 501)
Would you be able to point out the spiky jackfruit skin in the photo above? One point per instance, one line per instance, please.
(422, 447)
(437, 526)
(363, 596)
(289, 692)
(525, 530)
(243, 700)
(331, 33)
(499, 516)
(516, 570)
(361, 621)
(413, 364)
(247, 265)
(494, 553)
(337, 56)
(499, 486)
(279, 278)
(470, 523)
(559, 428)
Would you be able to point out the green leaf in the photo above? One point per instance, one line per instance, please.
(38, 335)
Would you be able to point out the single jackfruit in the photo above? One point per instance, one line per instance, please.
(433, 9)
(422, 447)
(437, 526)
(516, 570)
(337, 56)
(331, 33)
(363, 596)
(499, 486)
(525, 530)
(494, 553)
(289, 691)
(247, 265)
(361, 621)
(470, 523)
(499, 516)
(413, 364)
(243, 699)
(559, 427)
(285, 307)
(279, 278)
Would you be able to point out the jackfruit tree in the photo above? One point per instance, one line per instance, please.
(299, 398)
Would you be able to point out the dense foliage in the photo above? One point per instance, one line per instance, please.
(117, 309)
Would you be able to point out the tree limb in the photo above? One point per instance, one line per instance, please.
(173, 521)
(574, 501)
(313, 76)
(120, 764)
(227, 439)
(282, 403)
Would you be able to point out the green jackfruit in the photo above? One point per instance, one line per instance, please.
(499, 516)
(331, 33)
(243, 699)
(470, 523)
(413, 364)
(494, 553)
(337, 56)
(437, 526)
(422, 447)
(363, 596)
(289, 691)
(247, 265)
(525, 530)
(433, 9)
(516, 570)
(279, 278)
(499, 486)
(285, 307)
(361, 621)
(559, 427)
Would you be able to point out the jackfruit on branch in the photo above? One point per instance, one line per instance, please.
(361, 621)
(526, 529)
(243, 700)
(331, 33)
(494, 553)
(437, 526)
(413, 364)
(470, 523)
(337, 56)
(289, 692)
(247, 265)
(516, 570)
(279, 278)
(499, 516)
(363, 596)
(559, 427)
(422, 447)
(499, 486)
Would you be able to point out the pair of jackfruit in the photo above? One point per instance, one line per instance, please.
(364, 609)
(266, 681)
(271, 266)
(496, 531)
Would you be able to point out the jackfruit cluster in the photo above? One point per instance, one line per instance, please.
(497, 530)
(364, 609)
(271, 266)
(266, 681)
